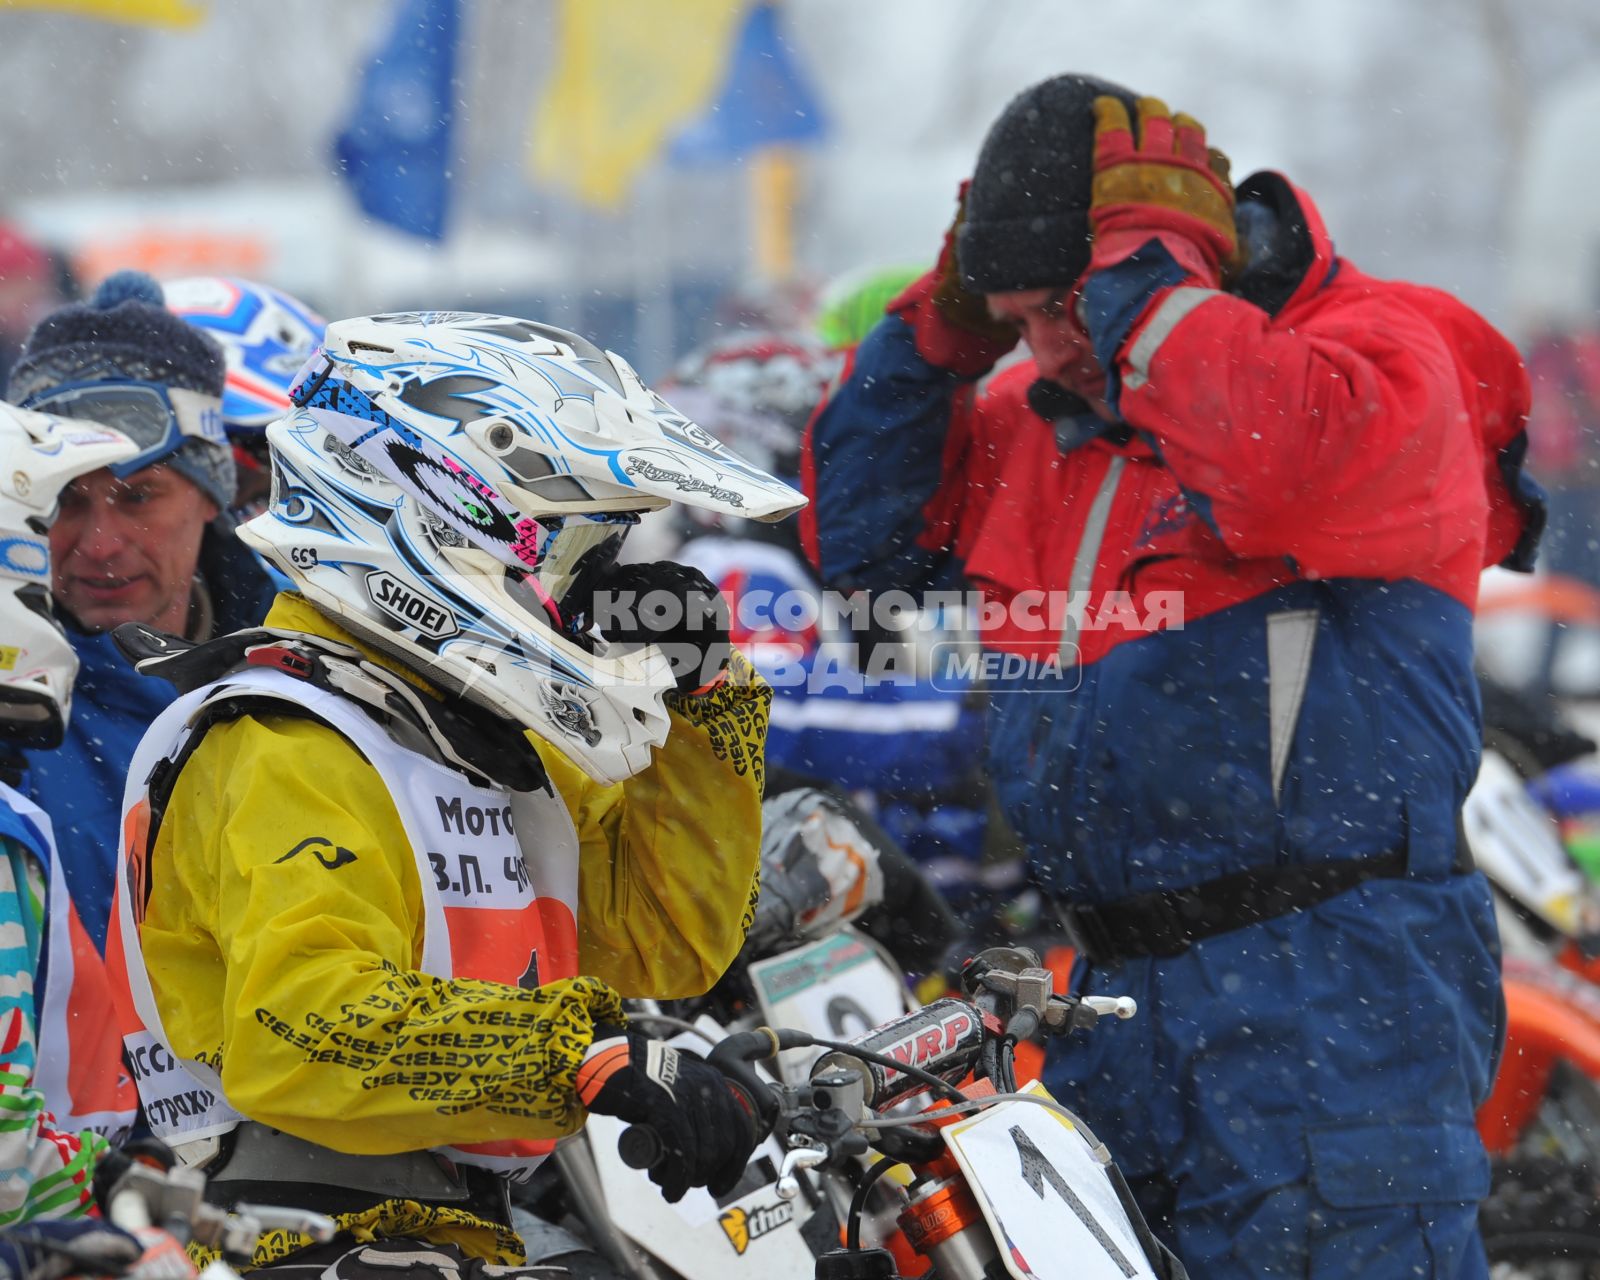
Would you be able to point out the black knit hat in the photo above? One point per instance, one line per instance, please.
(125, 333)
(1027, 224)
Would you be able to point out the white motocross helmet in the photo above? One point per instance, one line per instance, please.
(40, 454)
(451, 485)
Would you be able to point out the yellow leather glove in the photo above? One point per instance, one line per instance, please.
(1162, 184)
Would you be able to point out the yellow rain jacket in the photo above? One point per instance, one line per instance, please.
(235, 947)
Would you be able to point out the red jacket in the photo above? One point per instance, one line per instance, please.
(1296, 444)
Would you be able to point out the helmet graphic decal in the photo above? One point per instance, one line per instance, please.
(266, 335)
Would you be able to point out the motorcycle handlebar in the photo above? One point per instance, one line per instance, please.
(946, 1035)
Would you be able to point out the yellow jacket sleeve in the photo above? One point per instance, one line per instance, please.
(670, 857)
(282, 936)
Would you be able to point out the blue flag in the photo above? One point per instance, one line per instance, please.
(764, 100)
(395, 149)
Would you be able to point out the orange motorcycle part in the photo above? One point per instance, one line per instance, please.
(1541, 1029)
(932, 1219)
(907, 1261)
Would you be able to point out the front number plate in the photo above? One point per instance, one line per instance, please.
(1050, 1204)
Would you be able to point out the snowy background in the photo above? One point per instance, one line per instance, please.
(1450, 141)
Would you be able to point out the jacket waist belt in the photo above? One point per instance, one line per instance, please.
(1168, 922)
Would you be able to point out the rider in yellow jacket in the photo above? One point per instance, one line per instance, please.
(237, 940)
(288, 958)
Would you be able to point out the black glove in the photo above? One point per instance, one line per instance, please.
(673, 607)
(49, 1250)
(705, 1123)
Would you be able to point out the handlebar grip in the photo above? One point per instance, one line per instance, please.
(640, 1147)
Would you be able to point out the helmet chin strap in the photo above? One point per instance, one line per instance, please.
(531, 581)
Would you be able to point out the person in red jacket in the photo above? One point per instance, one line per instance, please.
(1228, 521)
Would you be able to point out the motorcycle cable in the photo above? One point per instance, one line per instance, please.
(967, 1105)
(801, 1040)
(858, 1202)
(998, 1061)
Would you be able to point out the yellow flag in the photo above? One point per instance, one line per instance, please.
(628, 75)
(149, 13)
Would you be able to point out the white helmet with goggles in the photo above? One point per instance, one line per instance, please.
(40, 454)
(452, 487)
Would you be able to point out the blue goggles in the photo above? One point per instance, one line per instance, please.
(159, 419)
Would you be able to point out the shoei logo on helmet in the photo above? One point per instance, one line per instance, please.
(400, 602)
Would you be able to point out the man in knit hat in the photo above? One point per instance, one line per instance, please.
(1229, 520)
(140, 541)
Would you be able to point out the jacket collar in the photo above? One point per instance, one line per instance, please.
(1290, 254)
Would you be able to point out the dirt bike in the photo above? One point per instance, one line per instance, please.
(843, 913)
(992, 1180)
(844, 980)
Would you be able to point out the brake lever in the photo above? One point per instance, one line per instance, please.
(736, 1056)
(1080, 1013)
(271, 1217)
(1120, 1007)
(795, 1160)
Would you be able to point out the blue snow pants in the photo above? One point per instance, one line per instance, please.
(1296, 1098)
